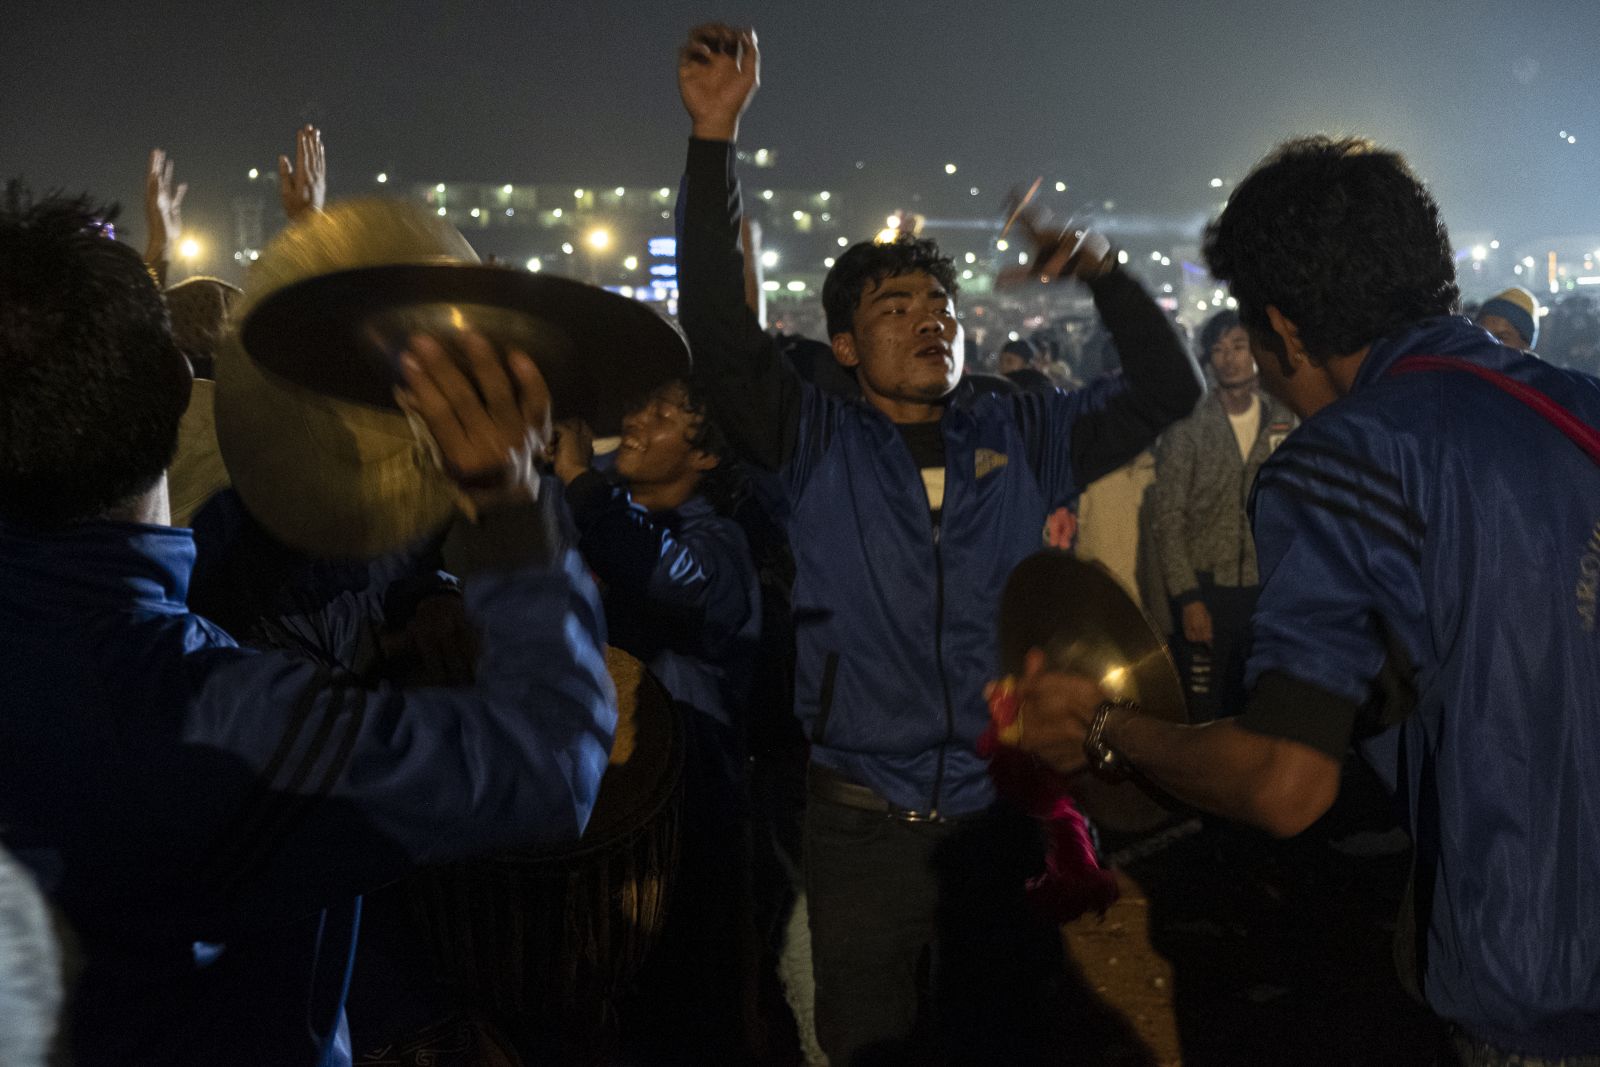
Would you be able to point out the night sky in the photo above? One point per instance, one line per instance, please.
(1141, 103)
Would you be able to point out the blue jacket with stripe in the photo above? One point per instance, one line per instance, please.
(1430, 528)
(204, 815)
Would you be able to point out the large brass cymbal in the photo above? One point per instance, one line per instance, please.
(597, 351)
(1078, 614)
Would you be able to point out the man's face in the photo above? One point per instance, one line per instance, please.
(905, 343)
(1231, 359)
(655, 448)
(1503, 331)
(1010, 361)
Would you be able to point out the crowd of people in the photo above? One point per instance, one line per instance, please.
(1361, 517)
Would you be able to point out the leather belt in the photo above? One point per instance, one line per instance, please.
(835, 788)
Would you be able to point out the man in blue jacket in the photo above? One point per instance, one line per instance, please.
(681, 594)
(1429, 542)
(910, 506)
(202, 815)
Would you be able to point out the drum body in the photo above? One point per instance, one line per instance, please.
(542, 943)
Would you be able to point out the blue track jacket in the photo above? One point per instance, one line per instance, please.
(204, 815)
(895, 616)
(1431, 520)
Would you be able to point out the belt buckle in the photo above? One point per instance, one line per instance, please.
(907, 815)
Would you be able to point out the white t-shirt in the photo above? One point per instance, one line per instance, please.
(1246, 426)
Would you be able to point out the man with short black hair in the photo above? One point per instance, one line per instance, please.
(204, 815)
(910, 506)
(1430, 544)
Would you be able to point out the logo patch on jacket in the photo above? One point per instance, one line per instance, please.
(987, 461)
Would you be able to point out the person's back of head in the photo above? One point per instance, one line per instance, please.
(1338, 235)
(1015, 355)
(91, 384)
(1512, 317)
(200, 310)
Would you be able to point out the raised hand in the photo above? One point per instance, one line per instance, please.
(573, 450)
(163, 216)
(491, 420)
(303, 184)
(1057, 250)
(719, 71)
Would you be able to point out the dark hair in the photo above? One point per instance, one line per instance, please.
(91, 384)
(1212, 332)
(868, 263)
(1339, 236)
(1022, 348)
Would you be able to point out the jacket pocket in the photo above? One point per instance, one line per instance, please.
(830, 669)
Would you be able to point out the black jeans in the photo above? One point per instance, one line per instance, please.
(922, 945)
(1213, 675)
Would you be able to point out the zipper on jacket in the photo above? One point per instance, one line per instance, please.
(938, 659)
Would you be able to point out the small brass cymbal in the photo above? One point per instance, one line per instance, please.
(1078, 614)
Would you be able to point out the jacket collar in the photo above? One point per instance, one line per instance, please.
(1442, 335)
(100, 565)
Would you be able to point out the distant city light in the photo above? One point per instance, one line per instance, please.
(824, 195)
(556, 214)
(973, 191)
(1156, 256)
(599, 239)
(893, 220)
(970, 258)
(619, 190)
(843, 241)
(966, 275)
(510, 211)
(828, 262)
(566, 247)
(441, 211)
(766, 194)
(796, 287)
(663, 192)
(1013, 336)
(439, 188)
(1527, 261)
(382, 177)
(1216, 183)
(475, 213)
(769, 258)
(1122, 255)
(506, 188)
(770, 287)
(1166, 262)
(798, 215)
(949, 168)
(1571, 139)
(1517, 269)
(1061, 187)
(887, 235)
(627, 291)
(631, 263)
(1002, 244)
(1022, 259)
(1201, 305)
(535, 264)
(577, 194)
(1494, 244)
(189, 248)
(1479, 253)
(254, 174)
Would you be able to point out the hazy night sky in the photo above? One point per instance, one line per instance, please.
(1140, 102)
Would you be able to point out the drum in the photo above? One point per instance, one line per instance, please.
(544, 942)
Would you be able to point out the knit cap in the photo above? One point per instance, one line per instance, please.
(1518, 307)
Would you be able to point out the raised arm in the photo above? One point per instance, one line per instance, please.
(163, 215)
(1161, 382)
(754, 393)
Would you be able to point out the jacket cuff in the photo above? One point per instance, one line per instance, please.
(1281, 705)
(1184, 599)
(587, 496)
(505, 538)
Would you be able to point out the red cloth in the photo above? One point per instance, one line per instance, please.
(1073, 882)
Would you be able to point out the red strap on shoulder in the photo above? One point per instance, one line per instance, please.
(1576, 430)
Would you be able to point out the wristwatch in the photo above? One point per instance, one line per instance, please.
(1103, 759)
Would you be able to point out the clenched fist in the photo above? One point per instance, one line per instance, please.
(719, 71)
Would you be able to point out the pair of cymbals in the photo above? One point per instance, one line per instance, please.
(306, 419)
